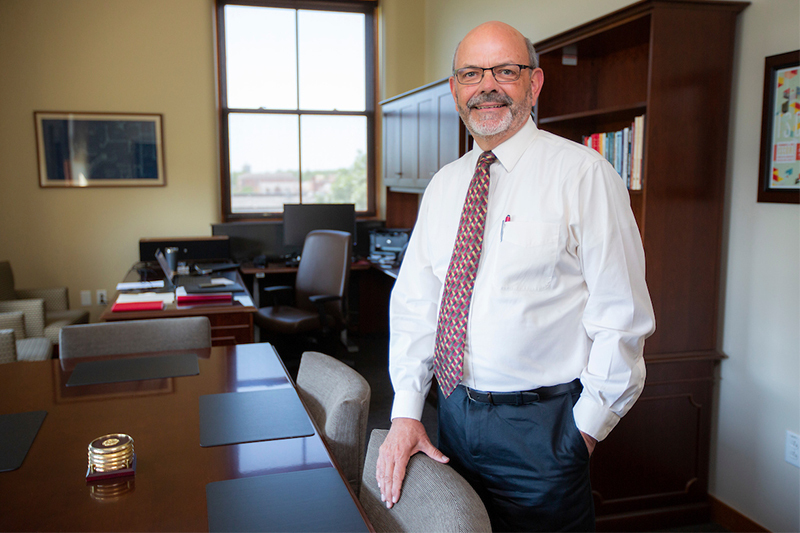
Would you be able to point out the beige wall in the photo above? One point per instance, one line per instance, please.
(146, 56)
(759, 393)
(156, 56)
(402, 46)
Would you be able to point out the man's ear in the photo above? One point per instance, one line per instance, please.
(537, 81)
(453, 90)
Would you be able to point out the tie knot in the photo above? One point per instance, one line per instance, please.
(486, 159)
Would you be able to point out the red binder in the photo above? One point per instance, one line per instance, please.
(137, 306)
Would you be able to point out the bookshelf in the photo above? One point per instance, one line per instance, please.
(671, 60)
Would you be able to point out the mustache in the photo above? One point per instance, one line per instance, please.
(493, 97)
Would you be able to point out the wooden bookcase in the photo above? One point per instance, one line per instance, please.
(671, 60)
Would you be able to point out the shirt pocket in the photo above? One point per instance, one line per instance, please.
(527, 255)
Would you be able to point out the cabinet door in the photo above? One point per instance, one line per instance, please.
(392, 163)
(428, 135)
(408, 145)
(422, 133)
(450, 129)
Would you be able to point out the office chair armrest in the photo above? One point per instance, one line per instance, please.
(323, 298)
(274, 292)
(319, 301)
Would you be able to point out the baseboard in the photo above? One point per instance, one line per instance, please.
(731, 519)
(657, 519)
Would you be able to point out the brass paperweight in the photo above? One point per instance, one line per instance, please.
(111, 456)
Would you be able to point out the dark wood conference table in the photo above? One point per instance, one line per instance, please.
(49, 491)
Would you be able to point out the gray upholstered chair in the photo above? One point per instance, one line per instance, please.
(434, 498)
(135, 336)
(338, 398)
(15, 346)
(46, 310)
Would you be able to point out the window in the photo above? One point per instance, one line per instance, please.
(296, 104)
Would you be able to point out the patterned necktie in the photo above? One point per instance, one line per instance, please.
(451, 330)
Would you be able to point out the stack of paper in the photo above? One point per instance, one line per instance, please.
(184, 297)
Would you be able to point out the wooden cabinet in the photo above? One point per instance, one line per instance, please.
(672, 61)
(422, 133)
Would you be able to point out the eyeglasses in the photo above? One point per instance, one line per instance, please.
(502, 73)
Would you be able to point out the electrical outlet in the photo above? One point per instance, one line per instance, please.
(86, 298)
(101, 297)
(793, 449)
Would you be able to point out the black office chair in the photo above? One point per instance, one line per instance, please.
(319, 306)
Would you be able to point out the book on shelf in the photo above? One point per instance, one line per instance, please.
(623, 149)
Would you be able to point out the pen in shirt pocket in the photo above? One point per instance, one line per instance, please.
(503, 226)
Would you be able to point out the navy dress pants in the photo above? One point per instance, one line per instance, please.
(528, 463)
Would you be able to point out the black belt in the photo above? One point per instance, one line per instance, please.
(523, 397)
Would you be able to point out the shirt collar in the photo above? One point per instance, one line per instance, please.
(510, 151)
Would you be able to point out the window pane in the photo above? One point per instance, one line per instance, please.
(334, 160)
(264, 159)
(332, 60)
(261, 58)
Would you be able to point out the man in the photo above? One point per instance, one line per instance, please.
(523, 291)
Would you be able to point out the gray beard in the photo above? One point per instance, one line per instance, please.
(480, 128)
(486, 129)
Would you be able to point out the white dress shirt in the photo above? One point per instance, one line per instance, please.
(560, 290)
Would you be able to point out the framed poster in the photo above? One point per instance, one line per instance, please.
(99, 149)
(779, 168)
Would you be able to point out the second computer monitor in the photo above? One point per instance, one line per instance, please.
(300, 219)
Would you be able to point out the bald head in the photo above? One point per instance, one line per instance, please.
(501, 34)
(494, 110)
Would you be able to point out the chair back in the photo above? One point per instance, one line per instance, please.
(338, 398)
(434, 497)
(7, 291)
(135, 336)
(325, 269)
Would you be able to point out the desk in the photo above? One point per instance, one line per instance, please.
(230, 323)
(168, 493)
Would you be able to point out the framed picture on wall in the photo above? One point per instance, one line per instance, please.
(99, 149)
(779, 168)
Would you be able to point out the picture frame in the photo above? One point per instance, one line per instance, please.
(779, 163)
(89, 149)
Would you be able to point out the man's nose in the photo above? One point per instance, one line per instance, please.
(488, 83)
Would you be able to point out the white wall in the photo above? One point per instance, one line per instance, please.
(759, 392)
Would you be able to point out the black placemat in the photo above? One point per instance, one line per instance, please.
(306, 500)
(236, 417)
(134, 369)
(17, 432)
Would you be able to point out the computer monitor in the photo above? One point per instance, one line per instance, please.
(300, 219)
